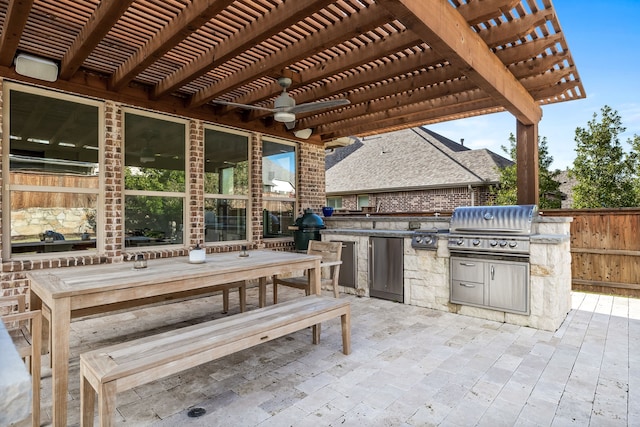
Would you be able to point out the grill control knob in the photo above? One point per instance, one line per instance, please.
(476, 242)
(460, 241)
(418, 239)
(427, 239)
(493, 243)
(503, 243)
(513, 244)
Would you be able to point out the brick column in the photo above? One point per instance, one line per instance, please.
(255, 191)
(113, 182)
(311, 177)
(195, 183)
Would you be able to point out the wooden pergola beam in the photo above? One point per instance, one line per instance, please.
(457, 107)
(509, 32)
(446, 31)
(363, 55)
(14, 23)
(192, 17)
(527, 164)
(476, 12)
(365, 20)
(105, 16)
(404, 92)
(414, 91)
(282, 17)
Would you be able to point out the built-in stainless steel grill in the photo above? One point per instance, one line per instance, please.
(492, 229)
(489, 247)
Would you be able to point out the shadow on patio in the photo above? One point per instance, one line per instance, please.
(410, 366)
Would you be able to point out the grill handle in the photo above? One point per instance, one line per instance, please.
(467, 264)
(467, 285)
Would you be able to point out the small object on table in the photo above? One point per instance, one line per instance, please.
(243, 252)
(197, 255)
(140, 262)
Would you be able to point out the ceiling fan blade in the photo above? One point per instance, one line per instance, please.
(244, 106)
(318, 105)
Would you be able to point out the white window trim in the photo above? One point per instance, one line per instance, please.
(296, 151)
(186, 227)
(6, 172)
(247, 197)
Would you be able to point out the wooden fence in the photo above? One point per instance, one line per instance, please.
(605, 249)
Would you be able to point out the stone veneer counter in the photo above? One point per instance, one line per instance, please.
(427, 272)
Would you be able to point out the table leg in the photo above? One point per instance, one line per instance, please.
(315, 275)
(60, 328)
(35, 303)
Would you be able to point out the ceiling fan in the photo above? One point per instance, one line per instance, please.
(285, 108)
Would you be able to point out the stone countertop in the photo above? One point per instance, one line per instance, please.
(551, 239)
(368, 232)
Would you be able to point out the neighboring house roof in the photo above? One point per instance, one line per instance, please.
(408, 159)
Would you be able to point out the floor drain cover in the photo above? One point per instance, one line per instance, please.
(196, 412)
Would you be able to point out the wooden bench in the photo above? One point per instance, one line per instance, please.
(123, 366)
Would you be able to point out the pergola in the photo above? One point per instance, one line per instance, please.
(400, 63)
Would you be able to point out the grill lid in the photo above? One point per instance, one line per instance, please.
(514, 219)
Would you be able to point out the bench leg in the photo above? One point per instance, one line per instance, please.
(107, 404)
(87, 400)
(225, 301)
(316, 333)
(345, 320)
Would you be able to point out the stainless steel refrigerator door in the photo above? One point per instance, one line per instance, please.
(386, 268)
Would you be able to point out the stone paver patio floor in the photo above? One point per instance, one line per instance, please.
(410, 366)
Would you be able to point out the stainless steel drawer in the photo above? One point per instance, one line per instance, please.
(465, 292)
(467, 270)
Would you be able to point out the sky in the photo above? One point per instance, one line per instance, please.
(604, 40)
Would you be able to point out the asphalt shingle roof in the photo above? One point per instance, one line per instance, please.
(408, 159)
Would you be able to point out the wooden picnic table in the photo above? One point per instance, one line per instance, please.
(66, 293)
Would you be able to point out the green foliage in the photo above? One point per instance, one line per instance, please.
(152, 179)
(607, 176)
(549, 187)
(157, 216)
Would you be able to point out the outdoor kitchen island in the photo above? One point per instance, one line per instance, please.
(427, 266)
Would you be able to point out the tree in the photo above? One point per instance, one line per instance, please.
(605, 173)
(548, 187)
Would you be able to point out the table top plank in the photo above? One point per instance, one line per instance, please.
(75, 281)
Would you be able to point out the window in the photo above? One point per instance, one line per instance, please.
(154, 180)
(363, 201)
(278, 188)
(334, 202)
(226, 184)
(53, 172)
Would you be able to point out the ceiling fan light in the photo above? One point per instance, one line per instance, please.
(146, 156)
(303, 133)
(284, 117)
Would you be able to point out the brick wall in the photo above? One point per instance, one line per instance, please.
(434, 200)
